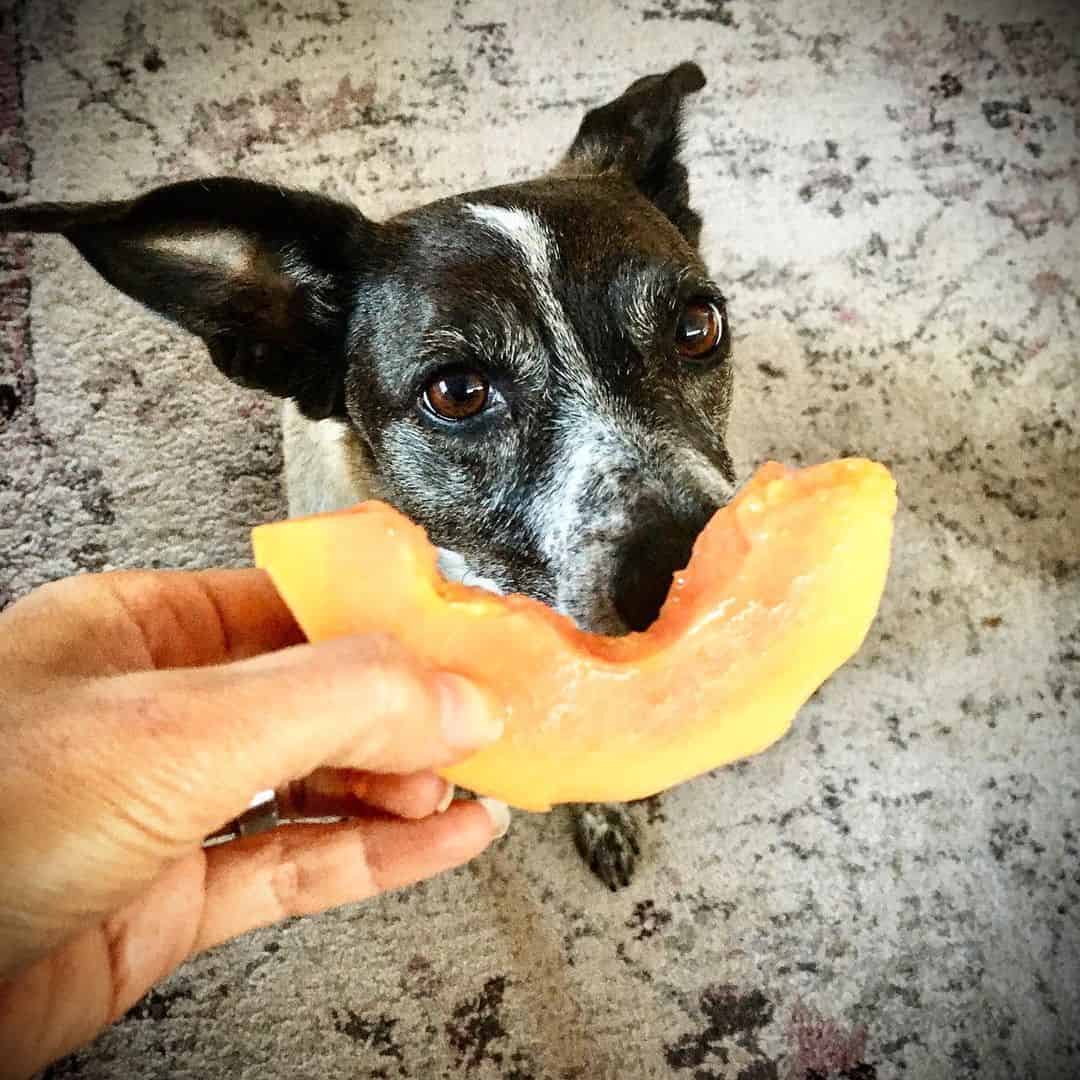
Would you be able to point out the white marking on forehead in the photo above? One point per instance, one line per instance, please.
(539, 253)
(525, 230)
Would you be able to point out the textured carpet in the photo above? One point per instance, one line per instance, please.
(891, 193)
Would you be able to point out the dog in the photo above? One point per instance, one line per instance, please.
(539, 374)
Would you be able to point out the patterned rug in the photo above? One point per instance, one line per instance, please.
(891, 193)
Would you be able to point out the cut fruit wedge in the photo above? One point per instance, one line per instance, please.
(781, 589)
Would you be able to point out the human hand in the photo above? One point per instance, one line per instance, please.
(141, 712)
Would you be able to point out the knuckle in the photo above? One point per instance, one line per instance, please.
(399, 689)
(392, 680)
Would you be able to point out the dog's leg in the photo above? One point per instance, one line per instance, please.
(607, 835)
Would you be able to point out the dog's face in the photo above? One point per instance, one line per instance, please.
(537, 374)
(543, 384)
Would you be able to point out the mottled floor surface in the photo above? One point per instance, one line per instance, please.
(892, 202)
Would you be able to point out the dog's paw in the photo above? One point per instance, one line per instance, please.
(606, 835)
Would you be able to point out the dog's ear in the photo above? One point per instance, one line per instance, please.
(261, 273)
(639, 135)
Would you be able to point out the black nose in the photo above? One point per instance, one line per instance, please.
(648, 563)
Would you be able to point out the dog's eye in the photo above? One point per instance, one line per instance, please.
(457, 395)
(700, 330)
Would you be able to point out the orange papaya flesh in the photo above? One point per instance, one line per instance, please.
(781, 588)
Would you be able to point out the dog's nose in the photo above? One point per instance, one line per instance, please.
(648, 564)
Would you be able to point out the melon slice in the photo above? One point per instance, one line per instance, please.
(780, 591)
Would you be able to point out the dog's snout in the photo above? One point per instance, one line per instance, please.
(646, 569)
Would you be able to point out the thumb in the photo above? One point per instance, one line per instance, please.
(192, 745)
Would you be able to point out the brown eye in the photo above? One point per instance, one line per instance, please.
(700, 330)
(457, 395)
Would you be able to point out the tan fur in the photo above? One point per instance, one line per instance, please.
(326, 465)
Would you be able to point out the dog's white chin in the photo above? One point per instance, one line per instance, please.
(453, 567)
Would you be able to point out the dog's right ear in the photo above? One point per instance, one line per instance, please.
(261, 273)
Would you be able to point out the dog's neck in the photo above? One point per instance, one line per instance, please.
(326, 467)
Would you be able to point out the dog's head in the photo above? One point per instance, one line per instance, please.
(538, 374)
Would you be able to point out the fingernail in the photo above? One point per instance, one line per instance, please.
(467, 716)
(446, 800)
(499, 813)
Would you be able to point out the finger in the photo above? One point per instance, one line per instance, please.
(100, 624)
(204, 617)
(301, 869)
(349, 793)
(184, 750)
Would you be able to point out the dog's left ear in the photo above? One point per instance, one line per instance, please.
(640, 136)
(264, 275)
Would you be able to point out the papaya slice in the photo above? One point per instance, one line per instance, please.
(780, 591)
